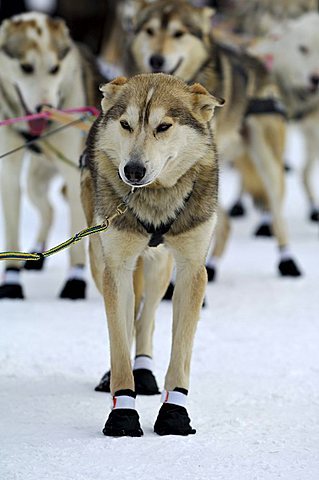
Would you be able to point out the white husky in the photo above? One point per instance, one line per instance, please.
(40, 65)
(291, 52)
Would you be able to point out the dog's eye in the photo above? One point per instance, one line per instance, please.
(178, 34)
(150, 32)
(303, 49)
(163, 127)
(125, 125)
(27, 68)
(54, 70)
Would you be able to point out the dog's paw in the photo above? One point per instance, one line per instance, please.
(314, 215)
(11, 290)
(237, 210)
(211, 273)
(105, 383)
(145, 382)
(288, 268)
(264, 230)
(74, 289)
(34, 264)
(123, 422)
(173, 420)
(168, 295)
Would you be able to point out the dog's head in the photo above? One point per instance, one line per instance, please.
(291, 52)
(155, 127)
(33, 47)
(171, 37)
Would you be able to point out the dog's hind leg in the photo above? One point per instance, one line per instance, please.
(312, 149)
(220, 241)
(157, 272)
(11, 199)
(189, 250)
(271, 171)
(40, 174)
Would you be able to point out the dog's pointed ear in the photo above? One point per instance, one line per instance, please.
(204, 103)
(110, 92)
(263, 50)
(136, 7)
(207, 15)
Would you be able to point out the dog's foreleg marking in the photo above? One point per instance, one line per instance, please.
(175, 398)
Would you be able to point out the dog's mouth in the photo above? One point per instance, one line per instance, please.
(170, 72)
(36, 126)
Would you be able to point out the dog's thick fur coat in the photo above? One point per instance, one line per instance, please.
(157, 125)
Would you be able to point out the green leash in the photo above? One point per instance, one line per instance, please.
(22, 256)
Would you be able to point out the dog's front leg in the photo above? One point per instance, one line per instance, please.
(191, 279)
(11, 195)
(118, 295)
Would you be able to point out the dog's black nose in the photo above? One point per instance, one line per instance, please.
(134, 171)
(41, 106)
(157, 62)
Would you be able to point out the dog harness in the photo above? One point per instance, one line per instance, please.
(265, 106)
(157, 233)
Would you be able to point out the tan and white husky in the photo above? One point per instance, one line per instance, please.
(152, 148)
(40, 65)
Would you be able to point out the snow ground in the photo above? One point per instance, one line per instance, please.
(254, 395)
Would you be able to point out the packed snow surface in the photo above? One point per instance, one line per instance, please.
(254, 396)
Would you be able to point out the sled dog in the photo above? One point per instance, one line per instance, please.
(258, 17)
(40, 65)
(153, 149)
(177, 38)
(291, 52)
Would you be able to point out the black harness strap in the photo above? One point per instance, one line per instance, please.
(28, 137)
(265, 106)
(157, 233)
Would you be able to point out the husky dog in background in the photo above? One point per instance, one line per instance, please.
(40, 65)
(291, 53)
(257, 17)
(155, 136)
(176, 38)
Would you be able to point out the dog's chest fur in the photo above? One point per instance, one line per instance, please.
(190, 202)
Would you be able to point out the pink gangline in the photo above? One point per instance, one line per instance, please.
(36, 116)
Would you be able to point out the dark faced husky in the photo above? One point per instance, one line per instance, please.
(176, 38)
(40, 65)
(153, 148)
